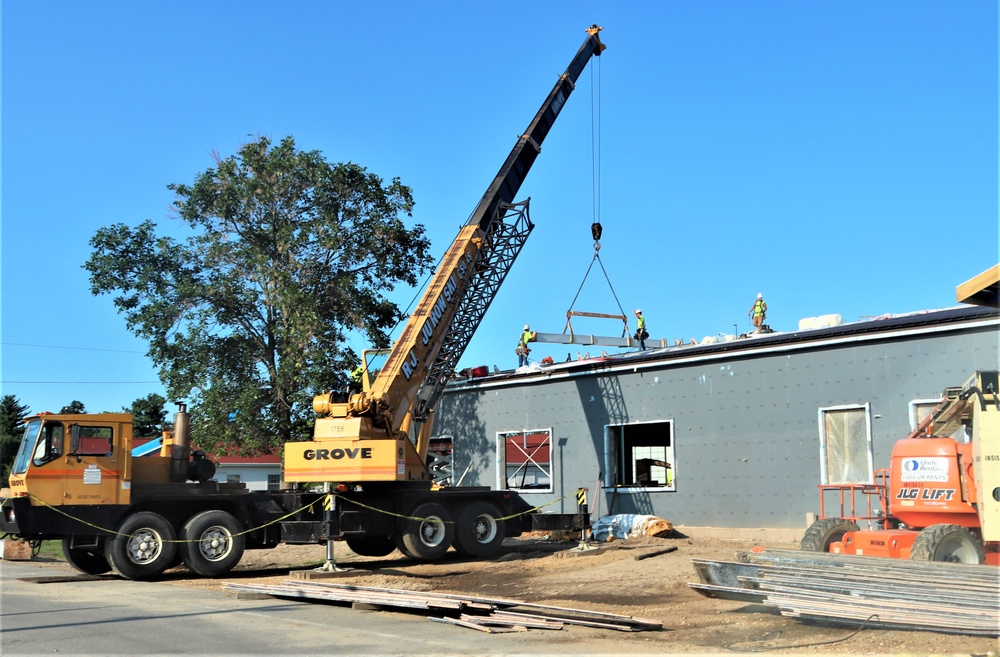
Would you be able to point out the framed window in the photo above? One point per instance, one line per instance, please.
(640, 456)
(232, 479)
(845, 443)
(273, 482)
(49, 445)
(94, 441)
(525, 460)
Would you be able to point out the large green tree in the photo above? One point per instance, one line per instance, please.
(247, 317)
(148, 415)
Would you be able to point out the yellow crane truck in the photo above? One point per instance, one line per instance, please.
(75, 479)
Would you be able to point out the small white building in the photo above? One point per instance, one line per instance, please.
(258, 473)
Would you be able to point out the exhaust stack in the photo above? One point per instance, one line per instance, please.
(181, 448)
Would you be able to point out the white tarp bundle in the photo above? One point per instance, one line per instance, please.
(628, 525)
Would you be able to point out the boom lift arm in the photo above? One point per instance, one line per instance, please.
(367, 438)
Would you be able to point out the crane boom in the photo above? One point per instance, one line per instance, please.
(369, 438)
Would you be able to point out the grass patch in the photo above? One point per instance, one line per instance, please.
(51, 550)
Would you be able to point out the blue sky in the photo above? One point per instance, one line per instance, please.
(839, 157)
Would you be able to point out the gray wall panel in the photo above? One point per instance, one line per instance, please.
(746, 429)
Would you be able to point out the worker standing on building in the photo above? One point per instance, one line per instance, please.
(522, 346)
(758, 312)
(640, 332)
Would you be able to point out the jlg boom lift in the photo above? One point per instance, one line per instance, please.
(940, 498)
(75, 479)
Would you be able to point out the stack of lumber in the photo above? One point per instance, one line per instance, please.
(848, 589)
(484, 614)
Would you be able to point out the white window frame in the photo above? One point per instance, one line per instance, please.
(823, 449)
(501, 460)
(915, 406)
(611, 459)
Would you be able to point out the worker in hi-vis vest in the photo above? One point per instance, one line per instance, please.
(641, 333)
(758, 312)
(522, 345)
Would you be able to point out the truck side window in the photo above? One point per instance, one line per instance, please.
(50, 444)
(95, 441)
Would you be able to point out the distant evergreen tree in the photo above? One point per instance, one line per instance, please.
(11, 412)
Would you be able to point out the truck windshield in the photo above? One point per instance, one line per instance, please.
(27, 447)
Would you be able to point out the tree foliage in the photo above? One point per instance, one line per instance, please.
(75, 408)
(247, 318)
(12, 411)
(11, 427)
(148, 415)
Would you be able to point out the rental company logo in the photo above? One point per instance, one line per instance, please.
(931, 468)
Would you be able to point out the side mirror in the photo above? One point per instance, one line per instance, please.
(74, 440)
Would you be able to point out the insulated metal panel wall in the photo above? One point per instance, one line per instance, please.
(745, 421)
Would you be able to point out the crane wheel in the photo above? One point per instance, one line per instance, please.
(88, 560)
(377, 546)
(479, 530)
(427, 533)
(213, 543)
(948, 543)
(825, 531)
(143, 546)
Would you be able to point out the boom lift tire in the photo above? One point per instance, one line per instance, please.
(479, 530)
(90, 561)
(949, 543)
(213, 543)
(427, 533)
(377, 546)
(144, 545)
(825, 531)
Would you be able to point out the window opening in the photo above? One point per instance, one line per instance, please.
(273, 482)
(526, 460)
(640, 456)
(845, 436)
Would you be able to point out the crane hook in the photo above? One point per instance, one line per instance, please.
(595, 230)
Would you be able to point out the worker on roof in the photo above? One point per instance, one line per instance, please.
(758, 312)
(640, 332)
(522, 350)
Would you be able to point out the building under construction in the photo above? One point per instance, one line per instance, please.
(732, 434)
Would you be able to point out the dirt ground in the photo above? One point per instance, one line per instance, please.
(613, 580)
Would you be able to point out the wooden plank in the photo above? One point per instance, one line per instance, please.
(980, 289)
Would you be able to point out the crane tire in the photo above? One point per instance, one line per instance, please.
(427, 533)
(825, 531)
(143, 546)
(948, 543)
(213, 543)
(368, 546)
(90, 561)
(479, 531)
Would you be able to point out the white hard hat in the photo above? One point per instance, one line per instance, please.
(760, 296)
(638, 312)
(526, 327)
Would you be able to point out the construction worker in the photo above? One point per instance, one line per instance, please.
(758, 312)
(640, 332)
(522, 346)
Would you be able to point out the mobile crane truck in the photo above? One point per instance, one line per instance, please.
(939, 500)
(74, 478)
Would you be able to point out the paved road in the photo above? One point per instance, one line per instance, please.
(120, 617)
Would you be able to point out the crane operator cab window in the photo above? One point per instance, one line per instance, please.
(49, 445)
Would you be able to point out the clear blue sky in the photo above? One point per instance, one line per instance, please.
(839, 157)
